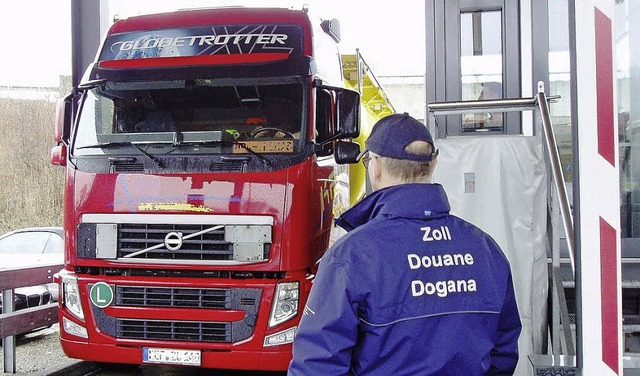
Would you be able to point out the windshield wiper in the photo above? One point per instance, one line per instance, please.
(148, 155)
(260, 157)
(106, 145)
(114, 144)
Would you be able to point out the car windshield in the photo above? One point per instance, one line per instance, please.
(171, 114)
(34, 242)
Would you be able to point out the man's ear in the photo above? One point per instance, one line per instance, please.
(434, 162)
(375, 165)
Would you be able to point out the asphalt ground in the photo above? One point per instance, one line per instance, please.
(40, 354)
(37, 352)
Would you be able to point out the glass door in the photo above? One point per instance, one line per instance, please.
(474, 54)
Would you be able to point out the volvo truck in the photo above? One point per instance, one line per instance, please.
(203, 154)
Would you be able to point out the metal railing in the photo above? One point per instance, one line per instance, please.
(23, 320)
(540, 104)
(540, 101)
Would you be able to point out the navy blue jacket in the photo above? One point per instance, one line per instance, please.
(410, 290)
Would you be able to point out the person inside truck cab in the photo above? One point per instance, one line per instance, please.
(278, 119)
(410, 289)
(156, 121)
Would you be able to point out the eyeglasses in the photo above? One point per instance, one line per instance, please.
(366, 159)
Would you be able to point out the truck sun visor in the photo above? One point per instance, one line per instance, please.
(202, 45)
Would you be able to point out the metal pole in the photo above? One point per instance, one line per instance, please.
(465, 107)
(520, 104)
(8, 343)
(359, 68)
(560, 313)
(558, 176)
(87, 17)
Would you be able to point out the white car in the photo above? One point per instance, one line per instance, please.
(32, 247)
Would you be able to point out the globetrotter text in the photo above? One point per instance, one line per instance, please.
(198, 40)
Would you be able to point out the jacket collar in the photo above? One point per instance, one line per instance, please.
(415, 201)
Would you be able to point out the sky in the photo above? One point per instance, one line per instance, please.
(36, 34)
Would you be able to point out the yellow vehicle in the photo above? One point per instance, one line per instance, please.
(374, 105)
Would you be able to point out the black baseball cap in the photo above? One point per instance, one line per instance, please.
(391, 135)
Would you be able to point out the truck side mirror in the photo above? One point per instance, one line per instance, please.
(346, 152)
(348, 104)
(332, 27)
(348, 111)
(62, 125)
(61, 131)
(59, 155)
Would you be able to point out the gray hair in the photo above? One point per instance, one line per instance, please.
(410, 171)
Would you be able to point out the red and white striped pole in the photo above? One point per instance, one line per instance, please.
(596, 189)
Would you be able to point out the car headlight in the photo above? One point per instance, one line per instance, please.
(71, 295)
(285, 303)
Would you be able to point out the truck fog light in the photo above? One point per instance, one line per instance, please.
(73, 328)
(71, 295)
(285, 303)
(281, 338)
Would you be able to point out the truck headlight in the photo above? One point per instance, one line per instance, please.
(71, 295)
(281, 338)
(285, 303)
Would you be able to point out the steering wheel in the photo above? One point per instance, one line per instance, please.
(269, 132)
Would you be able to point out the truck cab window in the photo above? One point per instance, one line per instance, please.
(116, 113)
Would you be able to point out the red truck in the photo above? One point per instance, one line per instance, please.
(202, 151)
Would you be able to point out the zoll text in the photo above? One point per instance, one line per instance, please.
(435, 234)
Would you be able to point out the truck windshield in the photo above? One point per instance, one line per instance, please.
(185, 115)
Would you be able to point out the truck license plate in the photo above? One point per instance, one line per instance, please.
(171, 356)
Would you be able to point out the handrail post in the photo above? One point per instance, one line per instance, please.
(8, 343)
(556, 170)
(360, 73)
(14, 322)
(521, 104)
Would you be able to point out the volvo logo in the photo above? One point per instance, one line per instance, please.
(173, 241)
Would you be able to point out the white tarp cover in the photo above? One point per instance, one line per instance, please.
(499, 184)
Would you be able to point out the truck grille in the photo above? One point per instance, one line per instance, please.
(174, 330)
(163, 298)
(121, 167)
(209, 246)
(173, 297)
(228, 166)
(180, 239)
